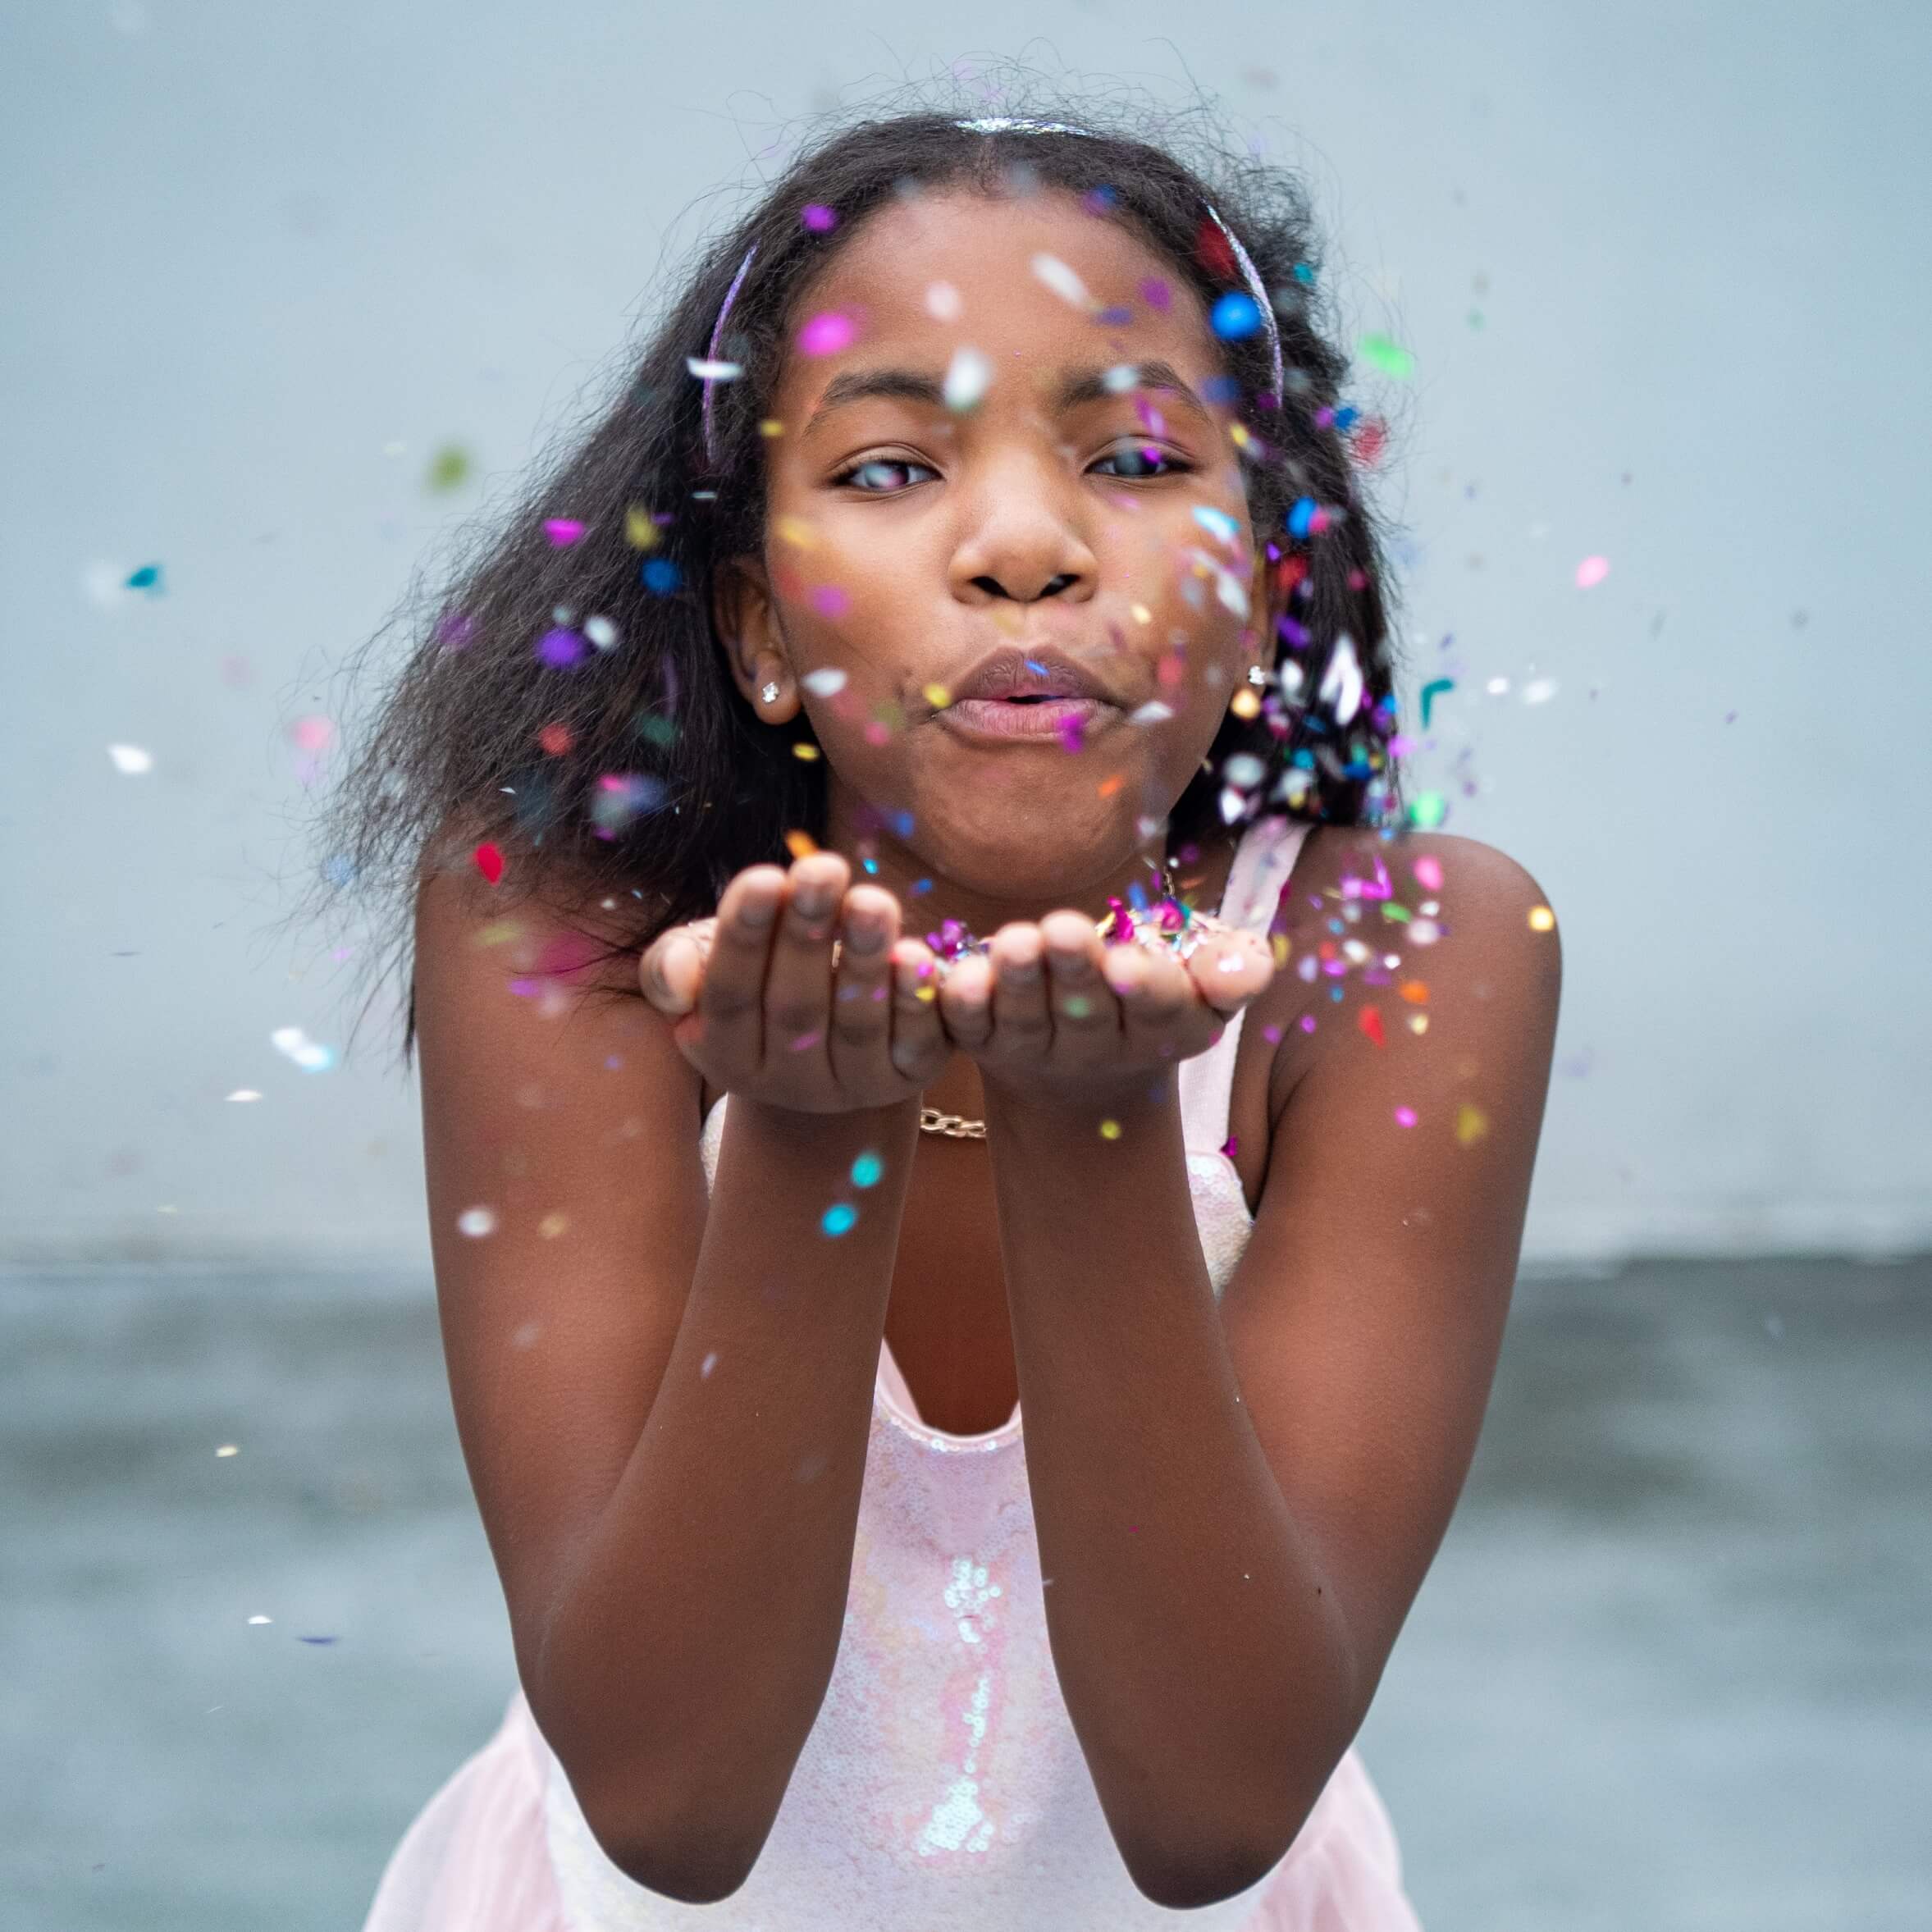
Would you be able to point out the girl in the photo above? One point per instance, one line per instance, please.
(977, 555)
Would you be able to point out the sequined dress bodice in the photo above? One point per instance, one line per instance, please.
(942, 1788)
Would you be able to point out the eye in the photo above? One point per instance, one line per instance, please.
(1139, 458)
(876, 475)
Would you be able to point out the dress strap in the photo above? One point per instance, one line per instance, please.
(1262, 862)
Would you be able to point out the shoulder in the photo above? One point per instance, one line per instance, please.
(1378, 934)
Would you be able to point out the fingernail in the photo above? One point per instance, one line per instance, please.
(758, 911)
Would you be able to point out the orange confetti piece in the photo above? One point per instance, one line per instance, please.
(489, 861)
(1416, 992)
(555, 739)
(1369, 1020)
(1107, 787)
(802, 845)
(1472, 1123)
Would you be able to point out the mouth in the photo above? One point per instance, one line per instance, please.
(1034, 717)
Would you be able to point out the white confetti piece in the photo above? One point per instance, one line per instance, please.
(707, 371)
(131, 759)
(1539, 691)
(828, 681)
(477, 1221)
(1342, 682)
(244, 1093)
(1153, 712)
(942, 303)
(311, 1056)
(601, 632)
(1062, 280)
(968, 377)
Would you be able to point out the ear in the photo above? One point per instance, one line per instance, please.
(746, 619)
(1261, 607)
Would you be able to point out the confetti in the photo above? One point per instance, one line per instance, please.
(1110, 1130)
(1428, 809)
(1539, 691)
(1435, 688)
(147, 578)
(243, 1094)
(1153, 712)
(937, 695)
(828, 334)
(801, 749)
(1062, 280)
(708, 370)
(555, 739)
(1404, 1116)
(661, 576)
(311, 1056)
(866, 1169)
(561, 645)
(601, 632)
(562, 531)
(311, 734)
(819, 218)
(1236, 316)
(640, 528)
(489, 858)
(839, 1218)
(131, 759)
(1472, 1123)
(1541, 920)
(1217, 522)
(1157, 295)
(1341, 682)
(1386, 354)
(968, 377)
(1369, 1020)
(448, 468)
(800, 844)
(830, 600)
(828, 681)
(476, 1223)
(1592, 571)
(942, 303)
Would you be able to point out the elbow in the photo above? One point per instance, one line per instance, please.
(671, 1865)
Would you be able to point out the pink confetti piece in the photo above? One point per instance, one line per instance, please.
(1428, 872)
(828, 333)
(562, 531)
(1592, 570)
(830, 600)
(1404, 1116)
(819, 218)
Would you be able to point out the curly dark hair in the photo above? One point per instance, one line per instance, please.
(661, 785)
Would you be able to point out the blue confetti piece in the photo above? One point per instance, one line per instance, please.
(148, 578)
(1345, 416)
(839, 1218)
(1304, 272)
(902, 823)
(661, 576)
(1137, 895)
(866, 1169)
(1235, 315)
(1301, 517)
(921, 885)
(1217, 522)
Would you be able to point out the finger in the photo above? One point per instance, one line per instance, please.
(1022, 1029)
(1086, 1016)
(861, 996)
(671, 971)
(798, 987)
(920, 1048)
(966, 1000)
(1156, 1003)
(1230, 969)
(731, 999)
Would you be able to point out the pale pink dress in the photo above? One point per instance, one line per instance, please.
(942, 1788)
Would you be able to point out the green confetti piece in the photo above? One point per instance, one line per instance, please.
(1428, 809)
(1387, 354)
(1435, 688)
(448, 468)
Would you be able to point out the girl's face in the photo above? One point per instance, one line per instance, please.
(971, 467)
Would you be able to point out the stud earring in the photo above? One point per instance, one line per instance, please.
(769, 694)
(1257, 675)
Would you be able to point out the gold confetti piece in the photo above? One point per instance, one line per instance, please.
(799, 532)
(1542, 919)
(1110, 1130)
(937, 695)
(807, 752)
(639, 532)
(228, 1449)
(771, 426)
(1246, 702)
(1472, 1123)
(1279, 942)
(552, 1225)
(1416, 992)
(1142, 614)
(800, 844)
(1418, 1023)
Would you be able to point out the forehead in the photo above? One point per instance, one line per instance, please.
(983, 248)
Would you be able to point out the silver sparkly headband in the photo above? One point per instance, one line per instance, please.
(1000, 124)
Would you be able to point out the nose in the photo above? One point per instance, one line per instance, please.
(1022, 541)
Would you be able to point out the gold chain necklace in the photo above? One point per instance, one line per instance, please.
(955, 1126)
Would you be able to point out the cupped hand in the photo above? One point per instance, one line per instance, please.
(1052, 1007)
(759, 1009)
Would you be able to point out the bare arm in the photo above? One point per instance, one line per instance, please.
(664, 1406)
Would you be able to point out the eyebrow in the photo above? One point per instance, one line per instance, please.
(1077, 388)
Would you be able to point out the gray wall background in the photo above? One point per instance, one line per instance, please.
(260, 264)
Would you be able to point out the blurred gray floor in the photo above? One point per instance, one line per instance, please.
(1671, 1671)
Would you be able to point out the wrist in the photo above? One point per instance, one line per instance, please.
(1086, 1105)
